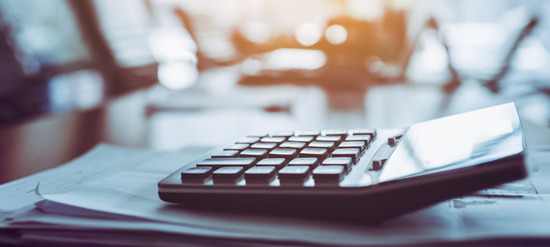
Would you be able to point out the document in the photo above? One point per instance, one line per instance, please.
(98, 162)
(120, 206)
(498, 213)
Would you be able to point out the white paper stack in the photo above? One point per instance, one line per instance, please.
(109, 197)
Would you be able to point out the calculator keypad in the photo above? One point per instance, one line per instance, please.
(293, 157)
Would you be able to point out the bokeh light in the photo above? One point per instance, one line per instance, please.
(336, 34)
(307, 34)
(178, 75)
(255, 31)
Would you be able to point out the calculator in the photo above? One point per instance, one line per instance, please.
(359, 175)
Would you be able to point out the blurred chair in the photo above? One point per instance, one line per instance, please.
(58, 58)
(358, 53)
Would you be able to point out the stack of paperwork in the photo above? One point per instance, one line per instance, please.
(109, 197)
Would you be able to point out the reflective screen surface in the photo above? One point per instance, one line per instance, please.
(456, 141)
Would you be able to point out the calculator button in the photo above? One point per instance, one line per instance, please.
(283, 134)
(371, 132)
(197, 173)
(300, 139)
(294, 172)
(328, 138)
(319, 153)
(273, 139)
(365, 138)
(311, 162)
(335, 132)
(338, 161)
(277, 162)
(260, 172)
(327, 145)
(308, 133)
(239, 147)
(347, 152)
(260, 135)
(360, 145)
(228, 173)
(223, 162)
(392, 141)
(287, 153)
(378, 163)
(381, 156)
(248, 140)
(255, 153)
(226, 154)
(264, 145)
(295, 145)
(330, 173)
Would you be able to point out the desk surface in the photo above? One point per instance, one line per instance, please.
(53, 140)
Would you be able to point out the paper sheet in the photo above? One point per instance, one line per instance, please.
(467, 218)
(102, 160)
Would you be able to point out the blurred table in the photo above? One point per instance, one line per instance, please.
(49, 141)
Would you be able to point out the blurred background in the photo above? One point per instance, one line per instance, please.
(168, 74)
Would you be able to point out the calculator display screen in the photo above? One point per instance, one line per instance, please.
(456, 141)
